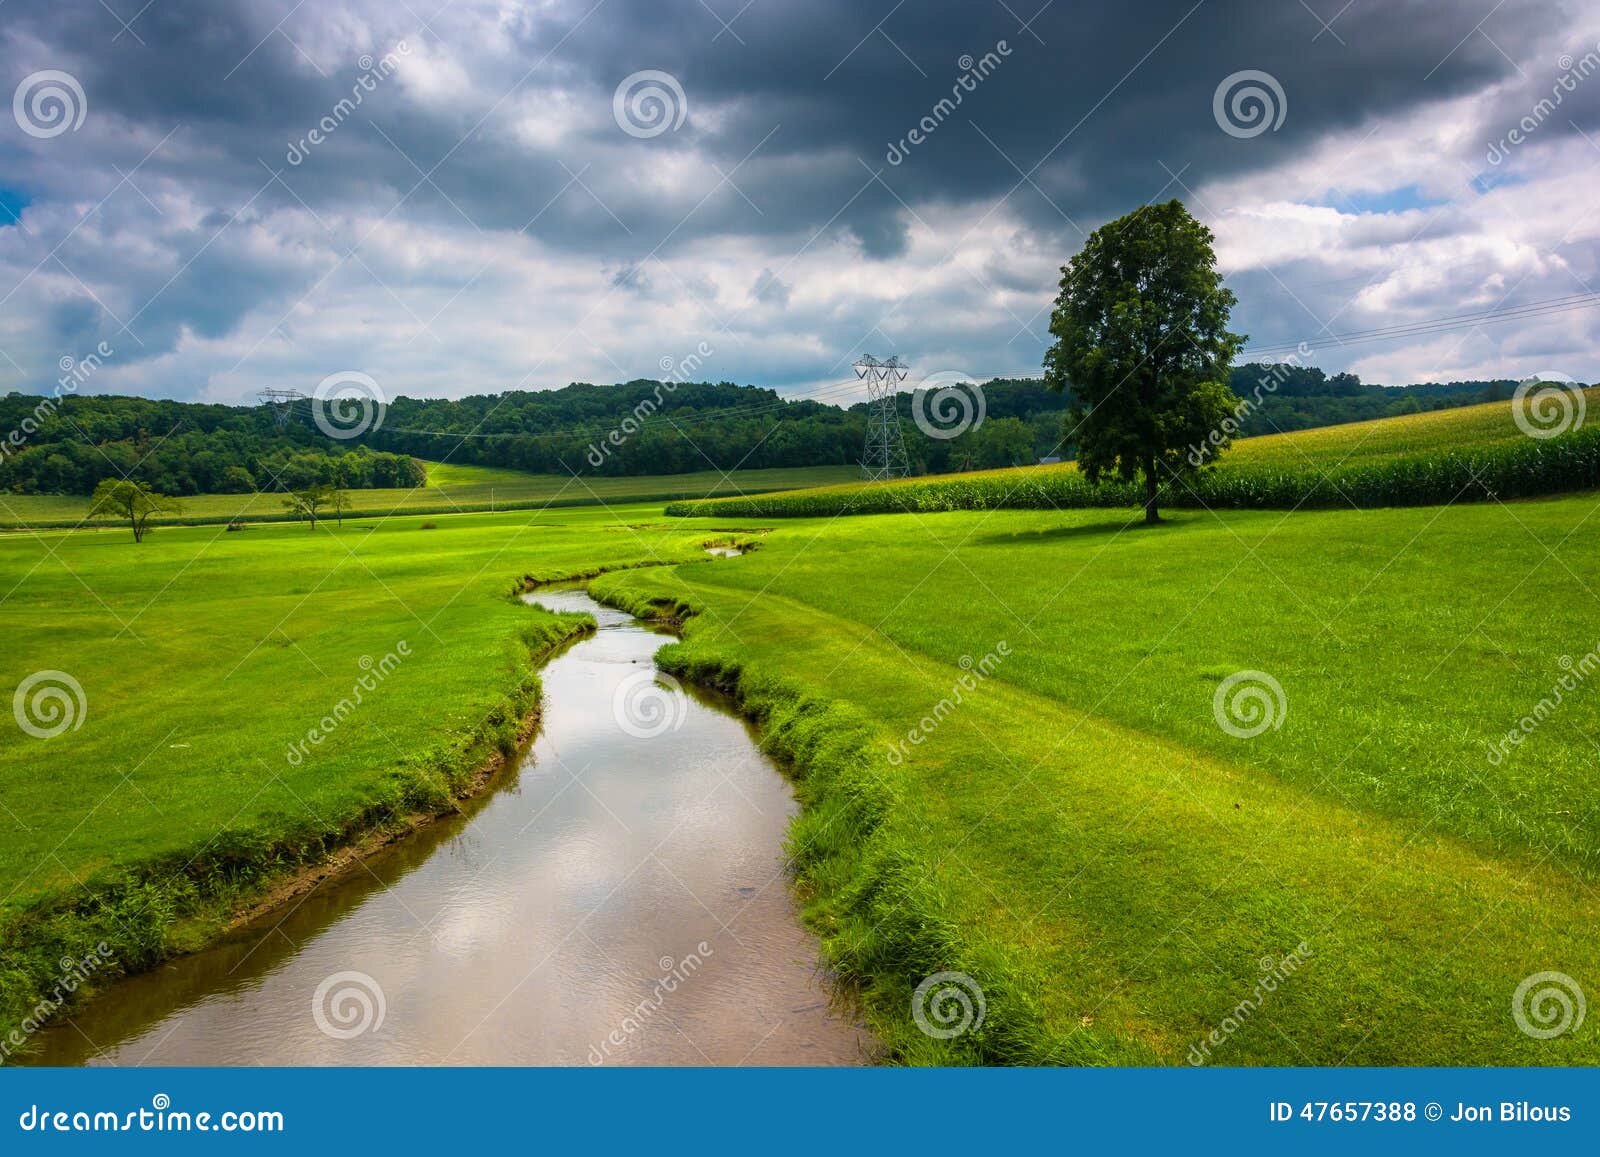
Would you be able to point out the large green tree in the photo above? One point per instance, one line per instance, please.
(1142, 344)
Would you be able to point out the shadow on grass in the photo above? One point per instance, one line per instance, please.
(1089, 530)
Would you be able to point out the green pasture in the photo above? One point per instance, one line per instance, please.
(1080, 835)
(1003, 724)
(451, 489)
(204, 657)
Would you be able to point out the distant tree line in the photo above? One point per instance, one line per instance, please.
(187, 448)
(1304, 397)
(703, 426)
(179, 448)
(700, 426)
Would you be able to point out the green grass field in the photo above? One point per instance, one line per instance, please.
(1080, 834)
(1082, 837)
(451, 489)
(202, 656)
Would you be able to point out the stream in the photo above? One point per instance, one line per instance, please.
(617, 897)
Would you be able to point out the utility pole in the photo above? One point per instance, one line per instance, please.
(885, 454)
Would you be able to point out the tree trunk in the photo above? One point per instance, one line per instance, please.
(1150, 491)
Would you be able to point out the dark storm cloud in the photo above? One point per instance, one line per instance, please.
(1099, 98)
(800, 120)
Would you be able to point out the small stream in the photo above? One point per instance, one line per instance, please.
(618, 897)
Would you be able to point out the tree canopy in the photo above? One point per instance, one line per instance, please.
(1143, 347)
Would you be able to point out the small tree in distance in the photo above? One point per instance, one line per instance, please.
(340, 502)
(1143, 346)
(308, 503)
(131, 501)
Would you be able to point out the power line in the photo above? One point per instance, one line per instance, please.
(1527, 311)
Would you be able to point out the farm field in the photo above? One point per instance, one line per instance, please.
(451, 488)
(1478, 427)
(1436, 457)
(1079, 834)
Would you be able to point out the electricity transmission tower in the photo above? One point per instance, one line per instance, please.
(885, 453)
(283, 403)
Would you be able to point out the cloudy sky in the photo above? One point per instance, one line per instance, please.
(497, 198)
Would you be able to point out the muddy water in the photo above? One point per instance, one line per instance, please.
(619, 899)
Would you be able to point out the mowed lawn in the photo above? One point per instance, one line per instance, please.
(453, 487)
(1115, 865)
(202, 655)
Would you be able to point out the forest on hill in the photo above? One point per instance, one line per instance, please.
(68, 445)
(698, 426)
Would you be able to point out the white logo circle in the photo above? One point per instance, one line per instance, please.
(1547, 404)
(347, 405)
(1548, 1004)
(948, 1004)
(649, 703)
(348, 1004)
(57, 704)
(49, 103)
(1246, 703)
(947, 404)
(1248, 103)
(649, 103)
